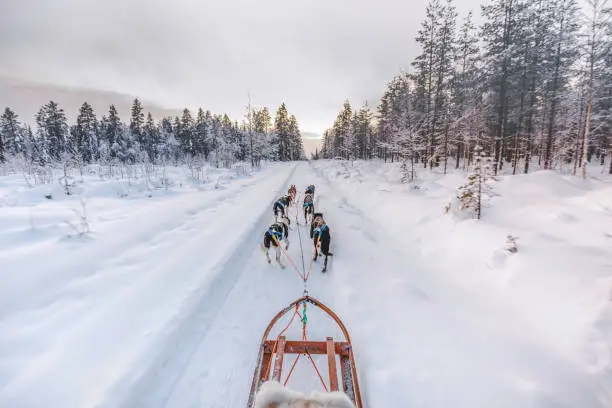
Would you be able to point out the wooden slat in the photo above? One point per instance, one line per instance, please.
(278, 363)
(331, 361)
(265, 362)
(313, 347)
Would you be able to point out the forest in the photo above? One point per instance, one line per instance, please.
(203, 138)
(530, 87)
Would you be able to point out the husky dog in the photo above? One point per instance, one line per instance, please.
(308, 206)
(321, 238)
(273, 395)
(310, 190)
(275, 235)
(280, 206)
(292, 192)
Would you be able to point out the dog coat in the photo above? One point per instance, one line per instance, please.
(280, 206)
(308, 201)
(323, 236)
(277, 230)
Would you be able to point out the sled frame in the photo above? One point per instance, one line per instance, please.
(331, 348)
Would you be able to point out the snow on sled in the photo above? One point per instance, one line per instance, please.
(273, 351)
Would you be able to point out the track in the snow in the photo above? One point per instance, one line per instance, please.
(208, 358)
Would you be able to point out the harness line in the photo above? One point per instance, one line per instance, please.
(303, 317)
(300, 238)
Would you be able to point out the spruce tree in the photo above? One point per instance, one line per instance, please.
(52, 132)
(85, 135)
(281, 129)
(111, 131)
(137, 119)
(185, 133)
(200, 134)
(151, 139)
(475, 193)
(10, 133)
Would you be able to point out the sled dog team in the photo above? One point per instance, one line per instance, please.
(278, 232)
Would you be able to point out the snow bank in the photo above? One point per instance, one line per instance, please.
(86, 307)
(554, 292)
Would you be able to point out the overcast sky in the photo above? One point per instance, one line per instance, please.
(311, 54)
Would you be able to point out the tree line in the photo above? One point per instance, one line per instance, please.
(531, 86)
(211, 137)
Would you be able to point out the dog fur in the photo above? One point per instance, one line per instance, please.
(292, 192)
(273, 395)
(308, 206)
(282, 227)
(321, 237)
(280, 206)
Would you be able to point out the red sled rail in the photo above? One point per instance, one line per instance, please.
(275, 350)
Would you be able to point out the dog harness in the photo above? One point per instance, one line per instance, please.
(321, 229)
(275, 233)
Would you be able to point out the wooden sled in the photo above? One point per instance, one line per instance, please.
(280, 347)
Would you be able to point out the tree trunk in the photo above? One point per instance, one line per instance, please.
(585, 143)
(553, 103)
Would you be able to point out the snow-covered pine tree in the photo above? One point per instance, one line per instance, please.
(350, 146)
(52, 132)
(200, 134)
(466, 90)
(168, 146)
(185, 133)
(10, 133)
(296, 137)
(340, 131)
(111, 132)
(227, 148)
(425, 76)
(364, 131)
(444, 72)
(563, 55)
(31, 148)
(137, 120)
(473, 195)
(215, 139)
(597, 53)
(326, 144)
(84, 141)
(2, 150)
(262, 146)
(151, 139)
(281, 129)
(503, 33)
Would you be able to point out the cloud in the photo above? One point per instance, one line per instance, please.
(312, 54)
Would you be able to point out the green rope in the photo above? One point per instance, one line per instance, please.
(304, 317)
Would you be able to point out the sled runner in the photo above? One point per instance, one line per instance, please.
(272, 352)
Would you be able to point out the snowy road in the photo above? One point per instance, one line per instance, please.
(418, 341)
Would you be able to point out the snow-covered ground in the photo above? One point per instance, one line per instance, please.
(163, 304)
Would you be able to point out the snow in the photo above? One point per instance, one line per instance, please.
(164, 303)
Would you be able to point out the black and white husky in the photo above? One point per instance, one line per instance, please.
(276, 235)
(321, 238)
(308, 206)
